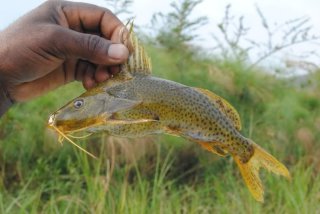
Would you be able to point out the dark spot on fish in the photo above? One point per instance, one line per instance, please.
(174, 127)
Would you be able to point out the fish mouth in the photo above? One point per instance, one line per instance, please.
(64, 135)
(74, 125)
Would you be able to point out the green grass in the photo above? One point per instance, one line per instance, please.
(165, 174)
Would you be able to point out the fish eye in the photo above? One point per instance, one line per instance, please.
(78, 103)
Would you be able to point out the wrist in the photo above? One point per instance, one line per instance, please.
(5, 101)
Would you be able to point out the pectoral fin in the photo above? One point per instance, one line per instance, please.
(115, 104)
(127, 122)
(224, 106)
(129, 128)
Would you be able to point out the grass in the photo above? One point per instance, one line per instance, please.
(165, 174)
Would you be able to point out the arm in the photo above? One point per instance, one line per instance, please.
(57, 43)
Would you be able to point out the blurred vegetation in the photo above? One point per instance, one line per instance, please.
(232, 40)
(175, 29)
(120, 7)
(165, 174)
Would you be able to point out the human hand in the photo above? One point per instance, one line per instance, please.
(56, 43)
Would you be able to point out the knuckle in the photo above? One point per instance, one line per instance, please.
(52, 42)
(53, 34)
(51, 4)
(107, 11)
(93, 43)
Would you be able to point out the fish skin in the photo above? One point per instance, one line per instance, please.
(135, 104)
(179, 110)
(175, 108)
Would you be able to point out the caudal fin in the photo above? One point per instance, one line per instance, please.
(250, 170)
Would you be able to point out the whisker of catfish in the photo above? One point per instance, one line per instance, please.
(60, 139)
(79, 137)
(73, 143)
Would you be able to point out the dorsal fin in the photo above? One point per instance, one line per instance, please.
(138, 61)
(225, 107)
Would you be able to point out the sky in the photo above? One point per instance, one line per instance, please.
(277, 11)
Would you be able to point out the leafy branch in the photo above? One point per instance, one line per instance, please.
(120, 7)
(236, 44)
(176, 28)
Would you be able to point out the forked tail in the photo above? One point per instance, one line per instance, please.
(250, 170)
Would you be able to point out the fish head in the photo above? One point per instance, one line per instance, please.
(94, 108)
(82, 112)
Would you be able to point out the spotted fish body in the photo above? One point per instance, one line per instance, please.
(173, 108)
(134, 104)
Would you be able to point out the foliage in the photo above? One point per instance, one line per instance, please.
(175, 32)
(235, 42)
(120, 7)
(176, 27)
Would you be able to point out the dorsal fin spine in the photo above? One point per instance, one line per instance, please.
(139, 61)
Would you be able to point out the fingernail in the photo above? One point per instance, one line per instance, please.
(118, 51)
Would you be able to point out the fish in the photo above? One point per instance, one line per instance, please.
(134, 104)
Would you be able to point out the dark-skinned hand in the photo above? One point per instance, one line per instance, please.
(56, 43)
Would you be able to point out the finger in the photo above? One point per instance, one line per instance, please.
(26, 91)
(102, 74)
(89, 47)
(114, 69)
(83, 67)
(88, 80)
(91, 18)
(35, 88)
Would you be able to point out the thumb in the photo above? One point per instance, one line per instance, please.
(93, 48)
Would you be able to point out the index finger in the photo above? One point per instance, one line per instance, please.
(90, 18)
